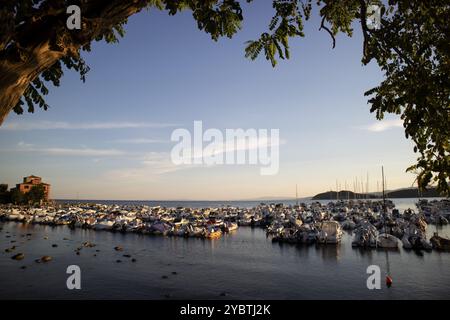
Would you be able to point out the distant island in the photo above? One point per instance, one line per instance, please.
(400, 193)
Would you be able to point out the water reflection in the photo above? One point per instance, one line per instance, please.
(329, 252)
(240, 263)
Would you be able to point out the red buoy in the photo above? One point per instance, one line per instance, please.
(388, 281)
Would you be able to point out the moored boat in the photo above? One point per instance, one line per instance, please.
(440, 243)
(230, 226)
(213, 233)
(387, 241)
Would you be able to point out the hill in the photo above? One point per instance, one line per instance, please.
(400, 193)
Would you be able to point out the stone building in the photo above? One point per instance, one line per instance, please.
(31, 181)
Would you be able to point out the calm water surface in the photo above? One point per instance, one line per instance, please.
(242, 265)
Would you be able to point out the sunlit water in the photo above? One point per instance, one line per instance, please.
(242, 265)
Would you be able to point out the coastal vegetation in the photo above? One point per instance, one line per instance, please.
(36, 195)
(411, 46)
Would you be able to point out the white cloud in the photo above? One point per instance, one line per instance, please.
(242, 144)
(76, 152)
(152, 164)
(140, 141)
(61, 125)
(22, 144)
(384, 125)
(84, 152)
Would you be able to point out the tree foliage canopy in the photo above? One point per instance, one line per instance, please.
(412, 47)
(35, 196)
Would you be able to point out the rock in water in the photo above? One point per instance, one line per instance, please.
(88, 244)
(118, 248)
(46, 258)
(18, 256)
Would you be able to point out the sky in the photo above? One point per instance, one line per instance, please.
(110, 137)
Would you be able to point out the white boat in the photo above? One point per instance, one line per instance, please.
(230, 226)
(195, 231)
(160, 228)
(245, 222)
(15, 215)
(103, 225)
(387, 241)
(330, 232)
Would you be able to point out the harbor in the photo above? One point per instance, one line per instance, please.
(374, 223)
(251, 262)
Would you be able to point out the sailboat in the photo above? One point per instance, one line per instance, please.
(386, 240)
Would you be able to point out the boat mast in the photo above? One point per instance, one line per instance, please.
(367, 186)
(337, 191)
(384, 197)
(388, 269)
(348, 192)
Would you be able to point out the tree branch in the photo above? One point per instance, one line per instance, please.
(322, 26)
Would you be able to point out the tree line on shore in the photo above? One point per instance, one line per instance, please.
(15, 196)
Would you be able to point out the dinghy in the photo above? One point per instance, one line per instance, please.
(387, 241)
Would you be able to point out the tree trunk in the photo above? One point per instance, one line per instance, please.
(49, 26)
(15, 76)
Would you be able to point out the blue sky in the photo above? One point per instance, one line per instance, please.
(109, 138)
